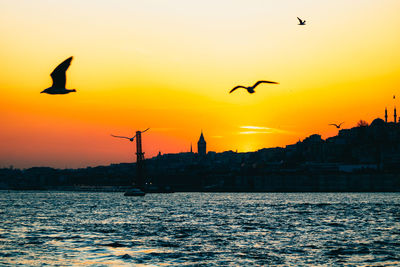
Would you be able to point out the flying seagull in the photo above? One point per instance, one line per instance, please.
(59, 79)
(301, 22)
(337, 126)
(250, 89)
(129, 138)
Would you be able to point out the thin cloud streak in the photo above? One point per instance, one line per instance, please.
(254, 132)
(263, 130)
(255, 127)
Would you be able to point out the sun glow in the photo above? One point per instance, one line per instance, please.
(169, 65)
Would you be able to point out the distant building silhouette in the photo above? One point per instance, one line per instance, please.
(395, 115)
(202, 146)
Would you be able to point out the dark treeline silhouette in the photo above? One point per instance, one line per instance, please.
(363, 158)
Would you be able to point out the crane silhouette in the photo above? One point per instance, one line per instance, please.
(140, 179)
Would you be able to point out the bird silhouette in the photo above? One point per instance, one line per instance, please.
(59, 79)
(129, 138)
(250, 89)
(337, 126)
(301, 22)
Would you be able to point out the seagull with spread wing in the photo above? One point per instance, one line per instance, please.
(250, 89)
(301, 22)
(59, 79)
(129, 138)
(337, 126)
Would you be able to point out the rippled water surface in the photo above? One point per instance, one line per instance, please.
(64, 228)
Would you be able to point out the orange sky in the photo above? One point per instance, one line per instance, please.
(169, 65)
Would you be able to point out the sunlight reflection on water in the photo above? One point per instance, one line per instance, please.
(68, 228)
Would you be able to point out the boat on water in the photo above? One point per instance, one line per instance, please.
(147, 188)
(134, 192)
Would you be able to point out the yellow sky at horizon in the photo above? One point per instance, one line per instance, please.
(169, 65)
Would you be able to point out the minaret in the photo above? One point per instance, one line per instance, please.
(191, 150)
(386, 115)
(395, 115)
(201, 145)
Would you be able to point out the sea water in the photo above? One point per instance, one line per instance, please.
(210, 229)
